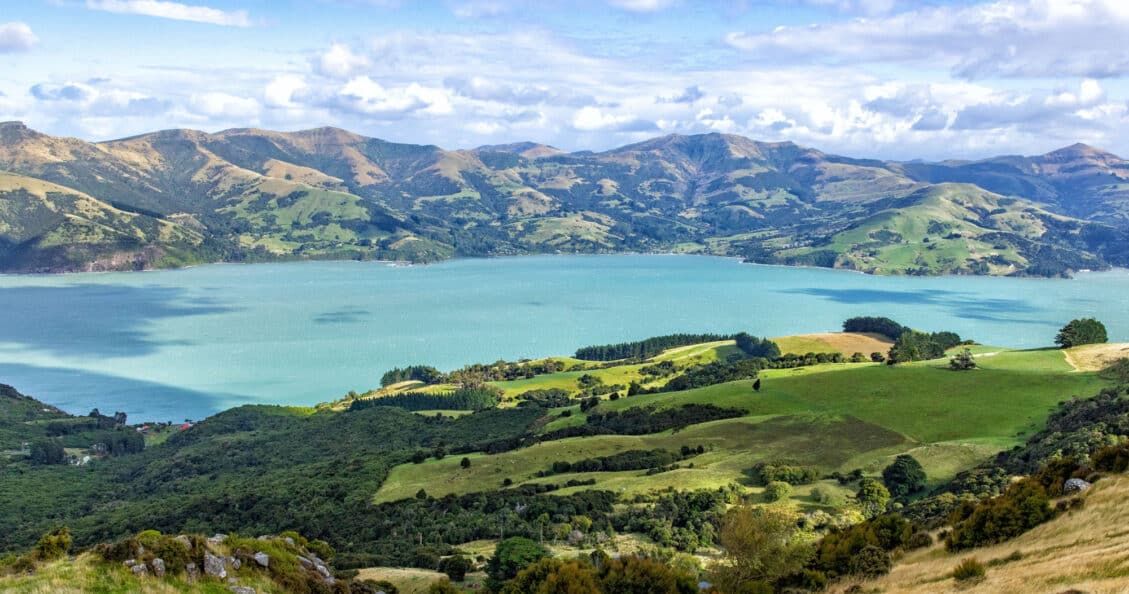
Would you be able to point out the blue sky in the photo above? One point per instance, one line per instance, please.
(876, 78)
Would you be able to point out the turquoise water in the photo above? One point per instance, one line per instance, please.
(182, 344)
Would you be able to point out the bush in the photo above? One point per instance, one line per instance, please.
(793, 474)
(443, 587)
(962, 361)
(1081, 331)
(47, 451)
(968, 570)
(53, 545)
(1024, 505)
(870, 561)
(456, 567)
(510, 557)
(777, 490)
(904, 476)
(1113, 458)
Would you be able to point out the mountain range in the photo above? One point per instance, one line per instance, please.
(180, 197)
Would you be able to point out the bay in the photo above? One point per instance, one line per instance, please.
(170, 345)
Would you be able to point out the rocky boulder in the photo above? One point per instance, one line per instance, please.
(262, 559)
(1075, 485)
(214, 566)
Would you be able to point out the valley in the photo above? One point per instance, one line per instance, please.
(573, 452)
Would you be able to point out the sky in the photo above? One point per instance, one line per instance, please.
(893, 79)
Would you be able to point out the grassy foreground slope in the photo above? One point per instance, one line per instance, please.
(1085, 550)
(830, 416)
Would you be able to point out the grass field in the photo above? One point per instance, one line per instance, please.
(847, 343)
(415, 581)
(833, 416)
(733, 445)
(1086, 550)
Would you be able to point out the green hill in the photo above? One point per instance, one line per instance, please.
(329, 193)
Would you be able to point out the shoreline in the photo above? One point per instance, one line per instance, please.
(409, 264)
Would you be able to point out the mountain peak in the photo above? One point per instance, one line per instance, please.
(15, 131)
(1080, 150)
(527, 149)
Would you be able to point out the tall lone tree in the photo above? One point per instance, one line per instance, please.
(1081, 331)
(757, 385)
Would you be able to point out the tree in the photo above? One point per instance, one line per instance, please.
(1081, 331)
(443, 587)
(757, 385)
(465, 463)
(421, 494)
(877, 357)
(757, 347)
(53, 545)
(761, 545)
(47, 451)
(904, 476)
(631, 575)
(962, 361)
(554, 576)
(455, 567)
(777, 490)
(872, 497)
(511, 556)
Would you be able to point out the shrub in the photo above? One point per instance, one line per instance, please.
(870, 561)
(904, 476)
(777, 490)
(872, 497)
(968, 570)
(1113, 458)
(919, 540)
(443, 587)
(1024, 505)
(456, 567)
(510, 557)
(47, 451)
(962, 361)
(53, 545)
(792, 474)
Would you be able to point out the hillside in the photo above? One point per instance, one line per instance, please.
(641, 455)
(251, 194)
(1085, 550)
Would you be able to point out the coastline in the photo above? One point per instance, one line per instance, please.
(408, 263)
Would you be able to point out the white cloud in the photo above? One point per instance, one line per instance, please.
(642, 5)
(339, 61)
(367, 96)
(280, 91)
(174, 10)
(223, 106)
(473, 9)
(16, 37)
(1006, 38)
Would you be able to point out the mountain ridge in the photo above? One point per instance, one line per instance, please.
(327, 192)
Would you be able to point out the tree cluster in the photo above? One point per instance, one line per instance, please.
(643, 349)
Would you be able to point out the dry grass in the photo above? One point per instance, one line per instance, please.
(413, 581)
(847, 343)
(1085, 550)
(1095, 357)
